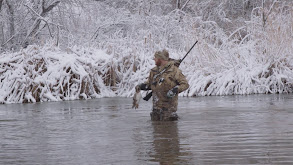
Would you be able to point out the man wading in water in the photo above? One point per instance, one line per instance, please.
(166, 81)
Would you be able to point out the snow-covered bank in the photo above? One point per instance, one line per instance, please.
(50, 74)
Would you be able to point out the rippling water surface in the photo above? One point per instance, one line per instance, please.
(254, 129)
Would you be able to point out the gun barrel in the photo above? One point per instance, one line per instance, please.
(188, 51)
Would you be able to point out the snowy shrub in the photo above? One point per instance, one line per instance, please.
(49, 74)
(260, 62)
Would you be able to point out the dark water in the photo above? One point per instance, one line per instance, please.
(255, 129)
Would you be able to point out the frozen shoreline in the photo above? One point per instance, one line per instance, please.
(39, 74)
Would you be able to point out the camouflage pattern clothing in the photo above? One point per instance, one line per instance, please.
(161, 80)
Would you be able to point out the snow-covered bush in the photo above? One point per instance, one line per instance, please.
(259, 62)
(49, 74)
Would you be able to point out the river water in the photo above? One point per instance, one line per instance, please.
(253, 129)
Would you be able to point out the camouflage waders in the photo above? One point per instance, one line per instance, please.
(163, 115)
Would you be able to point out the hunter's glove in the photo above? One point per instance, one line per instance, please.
(172, 92)
(142, 86)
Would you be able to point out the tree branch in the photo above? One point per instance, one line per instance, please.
(43, 5)
(271, 8)
(49, 8)
(185, 4)
(265, 17)
(9, 40)
(40, 18)
(1, 2)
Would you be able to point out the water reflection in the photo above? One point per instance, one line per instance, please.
(166, 142)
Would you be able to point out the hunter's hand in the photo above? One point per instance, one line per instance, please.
(137, 87)
(172, 92)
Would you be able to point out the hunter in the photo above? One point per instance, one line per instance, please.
(166, 81)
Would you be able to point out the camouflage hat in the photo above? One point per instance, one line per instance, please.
(164, 55)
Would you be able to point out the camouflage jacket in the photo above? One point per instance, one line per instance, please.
(161, 80)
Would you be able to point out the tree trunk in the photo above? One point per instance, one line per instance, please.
(1, 35)
(1, 27)
(11, 21)
(1, 1)
(178, 4)
(263, 14)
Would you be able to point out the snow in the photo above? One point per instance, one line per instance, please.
(257, 57)
(47, 73)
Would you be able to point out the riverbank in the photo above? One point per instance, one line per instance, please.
(39, 74)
